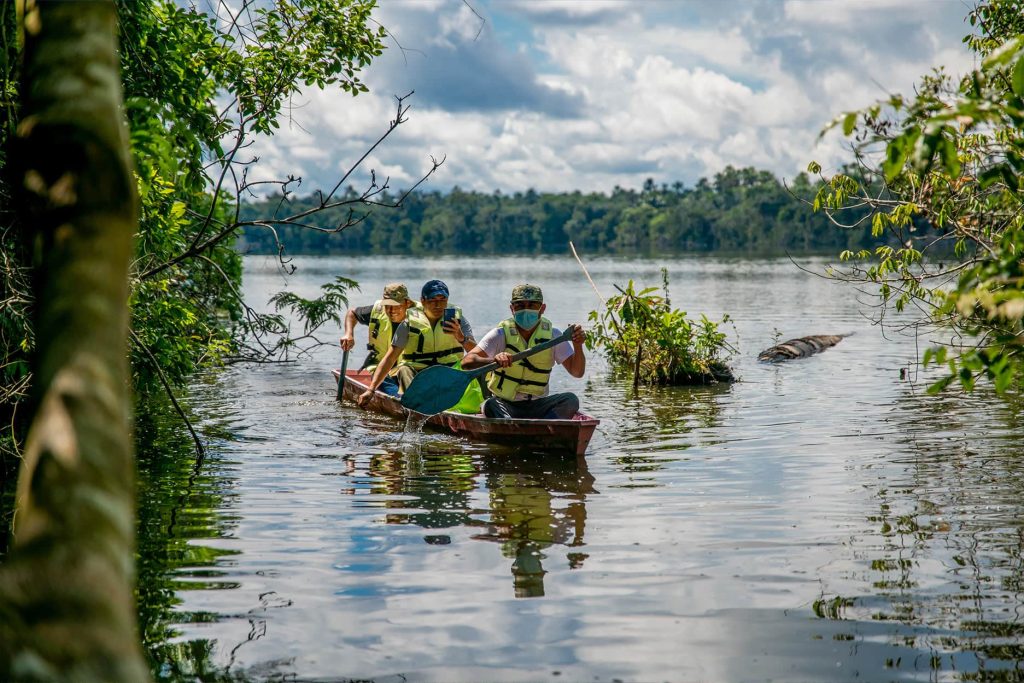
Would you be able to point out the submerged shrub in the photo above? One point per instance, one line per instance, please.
(641, 333)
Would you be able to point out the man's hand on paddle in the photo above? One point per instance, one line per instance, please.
(504, 359)
(578, 335)
(576, 364)
(347, 342)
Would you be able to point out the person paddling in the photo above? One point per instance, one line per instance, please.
(382, 317)
(520, 390)
(436, 334)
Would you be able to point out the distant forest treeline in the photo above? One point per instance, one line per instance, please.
(740, 210)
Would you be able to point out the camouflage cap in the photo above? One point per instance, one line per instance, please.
(395, 294)
(526, 292)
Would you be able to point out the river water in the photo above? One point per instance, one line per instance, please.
(820, 520)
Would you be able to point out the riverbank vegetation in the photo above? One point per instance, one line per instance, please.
(197, 86)
(738, 210)
(950, 157)
(641, 334)
(122, 159)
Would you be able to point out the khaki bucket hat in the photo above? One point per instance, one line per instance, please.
(395, 294)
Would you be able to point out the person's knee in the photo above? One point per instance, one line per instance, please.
(566, 407)
(404, 375)
(489, 408)
(389, 386)
(495, 407)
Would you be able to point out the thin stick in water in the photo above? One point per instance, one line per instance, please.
(585, 272)
(615, 323)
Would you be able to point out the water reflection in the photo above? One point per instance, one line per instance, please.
(818, 517)
(181, 499)
(534, 501)
(535, 504)
(428, 486)
(657, 426)
(944, 546)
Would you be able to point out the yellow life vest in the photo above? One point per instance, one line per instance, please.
(529, 375)
(430, 344)
(381, 332)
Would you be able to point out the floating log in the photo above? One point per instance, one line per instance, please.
(800, 348)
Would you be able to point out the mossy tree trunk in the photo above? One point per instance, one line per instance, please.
(67, 610)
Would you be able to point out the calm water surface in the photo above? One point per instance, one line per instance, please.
(821, 520)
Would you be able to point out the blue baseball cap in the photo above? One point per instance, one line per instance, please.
(434, 288)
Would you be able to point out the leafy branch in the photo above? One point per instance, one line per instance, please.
(942, 175)
(640, 332)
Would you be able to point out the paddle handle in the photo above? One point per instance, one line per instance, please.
(341, 375)
(484, 369)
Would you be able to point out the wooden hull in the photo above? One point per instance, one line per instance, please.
(567, 436)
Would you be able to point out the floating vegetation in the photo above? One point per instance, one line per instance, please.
(640, 332)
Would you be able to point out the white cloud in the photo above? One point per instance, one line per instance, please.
(853, 15)
(570, 9)
(457, 27)
(668, 91)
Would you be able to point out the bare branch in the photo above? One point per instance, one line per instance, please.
(200, 450)
(483, 21)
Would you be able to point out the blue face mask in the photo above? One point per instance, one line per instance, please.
(526, 318)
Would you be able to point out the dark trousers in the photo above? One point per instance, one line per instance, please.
(389, 386)
(404, 375)
(553, 407)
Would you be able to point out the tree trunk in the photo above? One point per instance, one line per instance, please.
(800, 348)
(67, 610)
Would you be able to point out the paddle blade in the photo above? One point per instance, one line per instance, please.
(341, 374)
(435, 389)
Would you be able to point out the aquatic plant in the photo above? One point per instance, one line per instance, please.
(640, 332)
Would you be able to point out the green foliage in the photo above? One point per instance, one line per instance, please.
(179, 67)
(198, 82)
(946, 170)
(739, 210)
(182, 60)
(641, 333)
(315, 312)
(15, 325)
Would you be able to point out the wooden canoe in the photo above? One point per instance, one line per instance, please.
(567, 436)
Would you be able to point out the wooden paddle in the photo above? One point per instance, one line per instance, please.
(341, 375)
(439, 387)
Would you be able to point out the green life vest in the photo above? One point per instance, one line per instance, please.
(430, 344)
(529, 375)
(381, 332)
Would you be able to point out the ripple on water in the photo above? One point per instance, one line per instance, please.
(819, 520)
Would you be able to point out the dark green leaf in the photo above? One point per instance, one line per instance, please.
(1004, 379)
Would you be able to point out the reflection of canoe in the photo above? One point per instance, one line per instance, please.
(550, 435)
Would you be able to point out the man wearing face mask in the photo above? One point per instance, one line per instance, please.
(520, 390)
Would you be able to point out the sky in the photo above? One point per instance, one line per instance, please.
(563, 95)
